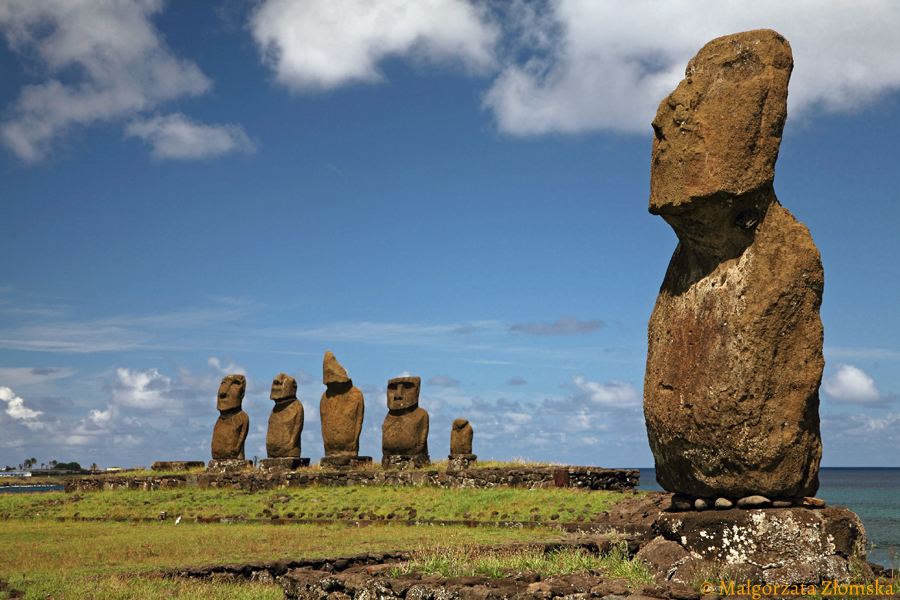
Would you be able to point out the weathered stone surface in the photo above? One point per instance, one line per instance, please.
(459, 462)
(232, 426)
(405, 462)
(332, 371)
(767, 538)
(663, 556)
(405, 428)
(229, 466)
(735, 340)
(286, 420)
(177, 465)
(341, 409)
(280, 464)
(753, 502)
(461, 437)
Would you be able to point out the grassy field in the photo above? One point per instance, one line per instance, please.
(387, 502)
(115, 560)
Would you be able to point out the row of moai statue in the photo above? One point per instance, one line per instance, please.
(404, 442)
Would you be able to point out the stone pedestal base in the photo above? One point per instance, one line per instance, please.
(458, 462)
(177, 465)
(231, 465)
(272, 465)
(784, 546)
(345, 463)
(405, 462)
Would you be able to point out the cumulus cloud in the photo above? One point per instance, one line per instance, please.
(178, 137)
(444, 381)
(102, 61)
(562, 326)
(321, 44)
(229, 367)
(851, 385)
(15, 406)
(612, 394)
(606, 65)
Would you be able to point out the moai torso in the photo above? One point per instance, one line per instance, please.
(341, 410)
(461, 437)
(286, 420)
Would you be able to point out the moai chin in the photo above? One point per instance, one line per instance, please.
(734, 356)
(405, 428)
(231, 428)
(286, 420)
(341, 410)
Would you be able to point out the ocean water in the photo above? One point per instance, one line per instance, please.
(872, 493)
(29, 489)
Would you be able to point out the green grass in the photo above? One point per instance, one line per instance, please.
(360, 502)
(463, 561)
(106, 561)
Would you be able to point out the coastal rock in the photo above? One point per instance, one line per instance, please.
(232, 426)
(286, 420)
(753, 502)
(341, 409)
(461, 437)
(769, 538)
(405, 428)
(734, 357)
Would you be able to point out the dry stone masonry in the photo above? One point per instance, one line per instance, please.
(735, 340)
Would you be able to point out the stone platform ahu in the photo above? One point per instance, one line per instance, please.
(735, 340)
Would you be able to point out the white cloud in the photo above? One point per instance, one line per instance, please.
(16, 376)
(444, 381)
(606, 64)
(612, 394)
(176, 136)
(229, 367)
(562, 326)
(104, 61)
(15, 406)
(138, 389)
(851, 385)
(322, 44)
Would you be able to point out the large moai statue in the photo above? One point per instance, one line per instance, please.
(735, 341)
(286, 420)
(341, 409)
(404, 433)
(232, 426)
(461, 435)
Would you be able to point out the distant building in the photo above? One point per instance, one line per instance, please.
(15, 473)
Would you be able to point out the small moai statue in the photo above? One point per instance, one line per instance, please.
(341, 409)
(461, 456)
(231, 428)
(286, 420)
(404, 433)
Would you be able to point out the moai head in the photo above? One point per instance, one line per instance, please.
(231, 392)
(284, 387)
(403, 392)
(718, 133)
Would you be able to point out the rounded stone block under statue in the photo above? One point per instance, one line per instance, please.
(404, 433)
(734, 361)
(341, 410)
(232, 426)
(461, 456)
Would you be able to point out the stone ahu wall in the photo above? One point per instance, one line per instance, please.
(593, 478)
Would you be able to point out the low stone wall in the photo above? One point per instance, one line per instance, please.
(593, 478)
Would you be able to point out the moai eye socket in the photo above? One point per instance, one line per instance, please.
(747, 219)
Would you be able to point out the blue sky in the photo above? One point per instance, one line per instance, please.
(455, 190)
